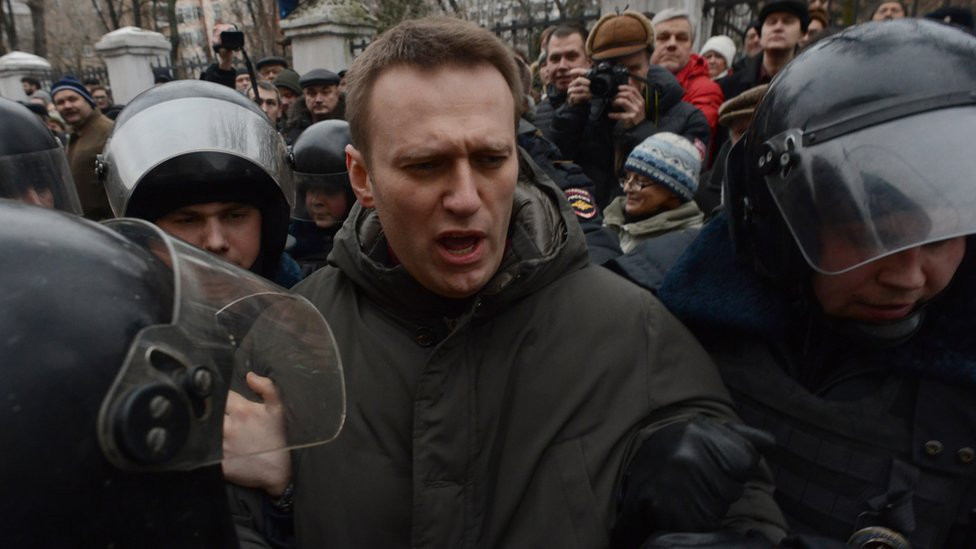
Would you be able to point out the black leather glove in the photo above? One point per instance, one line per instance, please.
(684, 478)
(714, 540)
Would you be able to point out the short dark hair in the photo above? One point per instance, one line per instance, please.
(32, 81)
(425, 44)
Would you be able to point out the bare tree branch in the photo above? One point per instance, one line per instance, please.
(113, 14)
(101, 16)
(11, 23)
(3, 23)
(137, 13)
(37, 8)
(174, 34)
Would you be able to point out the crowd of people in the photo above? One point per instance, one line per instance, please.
(628, 295)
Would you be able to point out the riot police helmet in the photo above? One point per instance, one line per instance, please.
(33, 166)
(120, 346)
(193, 142)
(848, 161)
(323, 191)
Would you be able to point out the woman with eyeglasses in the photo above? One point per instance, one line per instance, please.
(661, 179)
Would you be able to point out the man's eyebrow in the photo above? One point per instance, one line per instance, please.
(424, 153)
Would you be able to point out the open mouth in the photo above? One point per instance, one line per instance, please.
(459, 245)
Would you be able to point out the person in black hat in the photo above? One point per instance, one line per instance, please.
(270, 67)
(89, 132)
(288, 86)
(782, 24)
(320, 88)
(243, 80)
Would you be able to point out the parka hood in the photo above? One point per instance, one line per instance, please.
(545, 242)
(665, 85)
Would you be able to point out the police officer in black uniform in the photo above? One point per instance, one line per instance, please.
(190, 143)
(119, 345)
(837, 291)
(33, 166)
(323, 193)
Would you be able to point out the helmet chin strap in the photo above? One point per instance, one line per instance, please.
(886, 335)
(865, 334)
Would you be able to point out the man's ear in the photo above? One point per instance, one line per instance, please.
(359, 176)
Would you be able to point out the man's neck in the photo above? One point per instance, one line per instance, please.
(775, 60)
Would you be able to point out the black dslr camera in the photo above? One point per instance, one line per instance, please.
(606, 78)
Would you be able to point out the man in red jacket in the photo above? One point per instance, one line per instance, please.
(673, 36)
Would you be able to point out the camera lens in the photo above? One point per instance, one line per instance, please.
(600, 86)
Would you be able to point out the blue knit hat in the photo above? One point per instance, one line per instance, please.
(73, 84)
(670, 160)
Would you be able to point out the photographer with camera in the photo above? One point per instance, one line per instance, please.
(620, 102)
(223, 71)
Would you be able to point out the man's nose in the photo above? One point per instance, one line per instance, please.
(903, 270)
(463, 198)
(214, 239)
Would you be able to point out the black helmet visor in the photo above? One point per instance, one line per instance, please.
(41, 178)
(856, 197)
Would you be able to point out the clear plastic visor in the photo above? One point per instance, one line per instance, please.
(880, 190)
(170, 405)
(189, 125)
(321, 198)
(41, 178)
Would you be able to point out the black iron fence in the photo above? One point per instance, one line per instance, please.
(524, 35)
(93, 74)
(192, 67)
(730, 17)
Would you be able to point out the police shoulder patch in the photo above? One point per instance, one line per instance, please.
(582, 202)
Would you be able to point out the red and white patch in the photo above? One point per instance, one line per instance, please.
(582, 202)
(700, 145)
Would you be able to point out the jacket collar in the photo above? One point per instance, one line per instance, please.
(686, 215)
(544, 243)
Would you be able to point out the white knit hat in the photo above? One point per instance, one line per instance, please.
(722, 45)
(670, 160)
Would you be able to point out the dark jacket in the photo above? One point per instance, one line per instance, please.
(579, 189)
(496, 421)
(84, 144)
(214, 73)
(866, 434)
(546, 109)
(312, 245)
(709, 193)
(299, 118)
(749, 76)
(593, 141)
